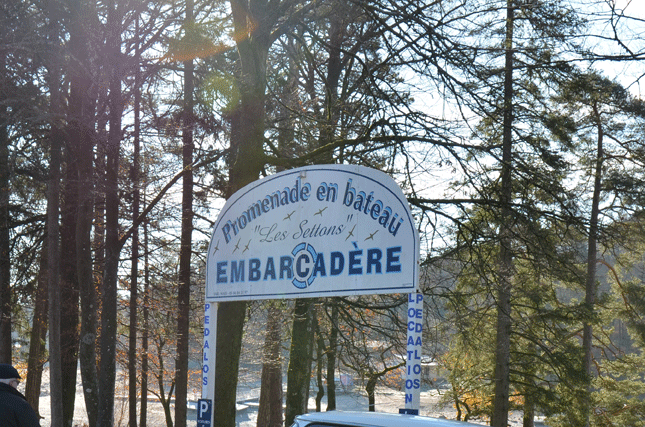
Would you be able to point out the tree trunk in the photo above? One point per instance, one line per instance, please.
(53, 225)
(183, 294)
(270, 410)
(88, 294)
(94, 296)
(271, 393)
(503, 341)
(337, 27)
(320, 346)
(107, 367)
(37, 357)
(528, 417)
(299, 371)
(53, 258)
(529, 387)
(590, 282)
(5, 260)
(165, 401)
(134, 267)
(144, 332)
(458, 407)
(81, 135)
(69, 280)
(297, 384)
(331, 356)
(369, 389)
(246, 161)
(230, 323)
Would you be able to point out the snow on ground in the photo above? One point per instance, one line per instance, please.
(387, 400)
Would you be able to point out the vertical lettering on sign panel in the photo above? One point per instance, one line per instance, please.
(414, 350)
(208, 362)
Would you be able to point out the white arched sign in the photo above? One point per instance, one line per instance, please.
(324, 230)
(327, 230)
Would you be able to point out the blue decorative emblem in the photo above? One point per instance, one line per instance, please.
(304, 259)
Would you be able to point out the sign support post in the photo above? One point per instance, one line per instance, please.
(205, 404)
(414, 351)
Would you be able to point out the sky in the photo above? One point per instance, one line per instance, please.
(630, 74)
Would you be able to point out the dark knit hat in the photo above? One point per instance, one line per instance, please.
(7, 372)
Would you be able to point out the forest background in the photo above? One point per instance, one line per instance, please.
(514, 127)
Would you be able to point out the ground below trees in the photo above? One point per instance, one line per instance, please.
(387, 400)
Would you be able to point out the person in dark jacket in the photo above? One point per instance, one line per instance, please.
(15, 411)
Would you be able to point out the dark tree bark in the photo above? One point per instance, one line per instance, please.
(53, 210)
(107, 367)
(528, 416)
(161, 383)
(245, 164)
(230, 323)
(327, 134)
(144, 333)
(320, 347)
(98, 267)
(37, 357)
(134, 268)
(503, 341)
(299, 371)
(81, 138)
(5, 263)
(255, 28)
(69, 280)
(331, 357)
(53, 256)
(336, 36)
(372, 380)
(183, 294)
(370, 388)
(271, 394)
(88, 294)
(592, 249)
(270, 409)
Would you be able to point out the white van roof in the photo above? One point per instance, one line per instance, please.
(373, 419)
